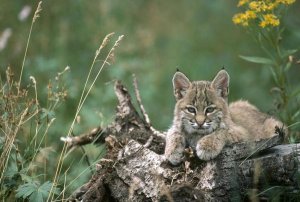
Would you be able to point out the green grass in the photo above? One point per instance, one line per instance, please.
(26, 153)
(54, 84)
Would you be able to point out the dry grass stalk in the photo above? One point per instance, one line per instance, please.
(83, 97)
(37, 12)
(9, 144)
(36, 15)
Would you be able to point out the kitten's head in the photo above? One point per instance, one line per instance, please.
(201, 105)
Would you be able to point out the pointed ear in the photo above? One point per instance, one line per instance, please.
(221, 84)
(180, 84)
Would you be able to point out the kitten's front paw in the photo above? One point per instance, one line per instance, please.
(209, 147)
(174, 150)
(175, 159)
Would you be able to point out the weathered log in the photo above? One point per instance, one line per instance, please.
(134, 168)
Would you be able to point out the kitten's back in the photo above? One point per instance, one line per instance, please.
(258, 124)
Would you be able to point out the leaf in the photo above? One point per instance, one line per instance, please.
(35, 192)
(36, 196)
(258, 60)
(296, 92)
(47, 113)
(26, 178)
(295, 115)
(274, 75)
(11, 170)
(5, 116)
(43, 113)
(45, 188)
(288, 66)
(276, 90)
(286, 53)
(26, 190)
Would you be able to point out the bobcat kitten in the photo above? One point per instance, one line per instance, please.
(204, 121)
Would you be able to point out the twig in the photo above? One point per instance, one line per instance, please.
(139, 100)
(149, 141)
(84, 138)
(261, 147)
(144, 113)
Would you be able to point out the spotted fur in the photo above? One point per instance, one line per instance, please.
(204, 121)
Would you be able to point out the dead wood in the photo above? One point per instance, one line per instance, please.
(134, 168)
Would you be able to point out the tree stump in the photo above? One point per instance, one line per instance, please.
(134, 168)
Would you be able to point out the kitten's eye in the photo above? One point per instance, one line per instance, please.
(209, 110)
(191, 110)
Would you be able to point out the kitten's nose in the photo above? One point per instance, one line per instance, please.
(200, 119)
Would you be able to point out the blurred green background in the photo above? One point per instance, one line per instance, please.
(198, 37)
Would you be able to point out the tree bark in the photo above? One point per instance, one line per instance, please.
(134, 168)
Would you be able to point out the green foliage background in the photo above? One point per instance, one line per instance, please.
(198, 37)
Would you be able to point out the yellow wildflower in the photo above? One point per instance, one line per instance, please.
(272, 6)
(261, 6)
(260, 9)
(254, 5)
(250, 15)
(243, 18)
(242, 2)
(258, 6)
(269, 19)
(238, 18)
(287, 2)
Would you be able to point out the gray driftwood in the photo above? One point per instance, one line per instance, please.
(134, 168)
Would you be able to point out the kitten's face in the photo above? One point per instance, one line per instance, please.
(201, 105)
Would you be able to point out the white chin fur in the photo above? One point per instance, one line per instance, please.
(203, 131)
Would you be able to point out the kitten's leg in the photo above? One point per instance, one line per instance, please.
(175, 146)
(210, 146)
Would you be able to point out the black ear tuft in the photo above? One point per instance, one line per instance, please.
(177, 70)
(223, 68)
